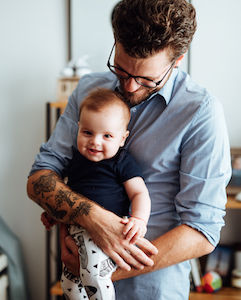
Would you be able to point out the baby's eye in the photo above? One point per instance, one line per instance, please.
(86, 132)
(107, 135)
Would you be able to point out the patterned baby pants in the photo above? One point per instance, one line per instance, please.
(96, 269)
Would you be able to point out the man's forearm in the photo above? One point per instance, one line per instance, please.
(179, 244)
(48, 190)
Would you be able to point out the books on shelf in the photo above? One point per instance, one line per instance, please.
(196, 274)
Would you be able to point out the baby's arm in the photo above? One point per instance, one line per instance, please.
(140, 209)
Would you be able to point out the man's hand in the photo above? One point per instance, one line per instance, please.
(47, 220)
(106, 230)
(107, 234)
(69, 251)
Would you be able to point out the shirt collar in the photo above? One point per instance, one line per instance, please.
(164, 92)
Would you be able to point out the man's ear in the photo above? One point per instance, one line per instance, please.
(178, 61)
(125, 136)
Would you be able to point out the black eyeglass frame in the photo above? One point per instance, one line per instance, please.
(136, 77)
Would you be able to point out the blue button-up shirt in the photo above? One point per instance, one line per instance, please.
(180, 139)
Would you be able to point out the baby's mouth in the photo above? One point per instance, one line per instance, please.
(94, 151)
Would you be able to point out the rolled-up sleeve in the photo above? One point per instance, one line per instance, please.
(204, 172)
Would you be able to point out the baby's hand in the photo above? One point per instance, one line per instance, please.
(134, 229)
(47, 220)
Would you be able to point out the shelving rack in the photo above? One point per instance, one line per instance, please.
(58, 107)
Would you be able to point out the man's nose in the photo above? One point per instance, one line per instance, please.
(130, 85)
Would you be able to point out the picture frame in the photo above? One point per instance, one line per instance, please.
(234, 186)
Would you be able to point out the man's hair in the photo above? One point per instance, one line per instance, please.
(144, 27)
(101, 98)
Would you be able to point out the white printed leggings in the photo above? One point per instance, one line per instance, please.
(96, 269)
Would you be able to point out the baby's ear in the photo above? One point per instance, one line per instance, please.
(125, 136)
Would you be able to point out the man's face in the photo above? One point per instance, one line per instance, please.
(153, 67)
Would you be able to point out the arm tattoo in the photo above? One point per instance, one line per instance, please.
(44, 184)
(63, 196)
(83, 209)
(58, 214)
(47, 184)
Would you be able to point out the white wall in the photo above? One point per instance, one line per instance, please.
(91, 31)
(215, 54)
(33, 51)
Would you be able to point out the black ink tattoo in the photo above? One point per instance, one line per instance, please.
(83, 209)
(45, 184)
(63, 196)
(58, 214)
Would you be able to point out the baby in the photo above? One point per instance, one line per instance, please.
(106, 173)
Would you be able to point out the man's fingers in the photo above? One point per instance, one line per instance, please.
(146, 246)
(124, 260)
(69, 251)
(141, 256)
(71, 245)
(43, 218)
(127, 254)
(63, 232)
(119, 261)
(45, 222)
(135, 238)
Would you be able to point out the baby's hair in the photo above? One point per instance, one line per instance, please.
(100, 98)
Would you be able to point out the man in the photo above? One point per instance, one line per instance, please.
(177, 134)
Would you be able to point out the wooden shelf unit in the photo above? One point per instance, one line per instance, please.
(65, 87)
(233, 203)
(226, 293)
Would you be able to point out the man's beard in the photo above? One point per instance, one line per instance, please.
(138, 97)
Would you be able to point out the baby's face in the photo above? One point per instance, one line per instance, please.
(101, 134)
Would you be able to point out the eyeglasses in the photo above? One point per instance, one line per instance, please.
(141, 80)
